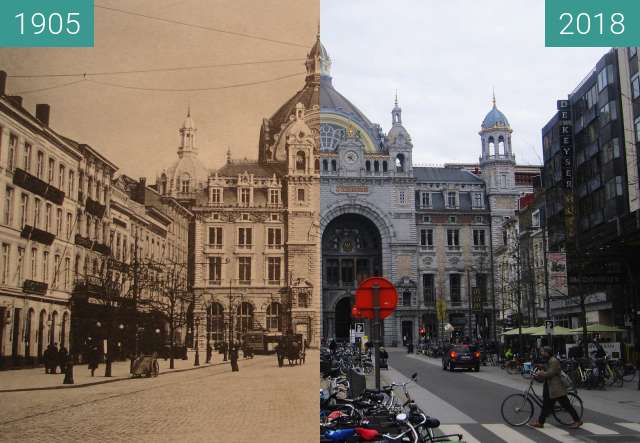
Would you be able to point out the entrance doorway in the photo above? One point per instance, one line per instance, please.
(407, 332)
(343, 319)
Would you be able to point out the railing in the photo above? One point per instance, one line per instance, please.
(32, 233)
(453, 248)
(32, 183)
(35, 287)
(95, 208)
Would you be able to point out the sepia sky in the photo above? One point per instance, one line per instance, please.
(137, 129)
(444, 57)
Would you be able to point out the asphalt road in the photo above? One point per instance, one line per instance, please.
(474, 406)
(261, 403)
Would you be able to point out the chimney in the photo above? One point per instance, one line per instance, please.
(42, 113)
(141, 194)
(16, 99)
(3, 82)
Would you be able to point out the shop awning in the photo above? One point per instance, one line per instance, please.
(597, 327)
(557, 330)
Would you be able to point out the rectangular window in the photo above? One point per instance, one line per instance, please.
(34, 264)
(635, 86)
(333, 271)
(401, 197)
(245, 196)
(47, 217)
(273, 270)
(244, 270)
(45, 266)
(67, 272)
(216, 195)
(58, 222)
(24, 209)
(274, 237)
(40, 165)
(477, 200)
(425, 199)
(428, 289)
(11, 155)
(274, 196)
(481, 284)
(27, 157)
(426, 238)
(479, 238)
(346, 267)
(52, 165)
(215, 270)
(71, 183)
(244, 237)
(451, 199)
(6, 251)
(215, 236)
(56, 269)
(19, 271)
(637, 129)
(603, 79)
(36, 213)
(454, 289)
(61, 177)
(301, 195)
(453, 238)
(69, 226)
(8, 206)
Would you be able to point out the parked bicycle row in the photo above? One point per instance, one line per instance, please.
(351, 413)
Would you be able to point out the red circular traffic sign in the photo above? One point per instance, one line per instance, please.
(388, 297)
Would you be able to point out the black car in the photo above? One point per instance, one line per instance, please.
(461, 357)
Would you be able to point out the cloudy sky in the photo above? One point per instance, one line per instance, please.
(138, 129)
(444, 57)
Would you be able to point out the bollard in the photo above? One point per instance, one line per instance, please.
(68, 373)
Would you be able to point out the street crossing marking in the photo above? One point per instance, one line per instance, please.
(558, 434)
(508, 434)
(632, 426)
(597, 429)
(457, 429)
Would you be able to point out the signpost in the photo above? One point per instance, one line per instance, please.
(376, 299)
(548, 327)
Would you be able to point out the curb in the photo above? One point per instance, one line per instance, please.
(108, 380)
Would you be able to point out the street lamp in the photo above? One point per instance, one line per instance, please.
(197, 360)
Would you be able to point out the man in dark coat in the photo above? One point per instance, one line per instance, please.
(554, 390)
(50, 359)
(94, 359)
(333, 346)
(233, 356)
(62, 359)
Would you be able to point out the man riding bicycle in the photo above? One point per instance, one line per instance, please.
(554, 390)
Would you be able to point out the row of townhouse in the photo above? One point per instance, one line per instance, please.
(68, 229)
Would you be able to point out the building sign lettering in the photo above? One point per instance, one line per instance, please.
(349, 189)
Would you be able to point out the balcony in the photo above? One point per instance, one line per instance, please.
(33, 184)
(35, 287)
(87, 243)
(94, 208)
(31, 233)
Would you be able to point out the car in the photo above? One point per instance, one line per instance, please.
(461, 356)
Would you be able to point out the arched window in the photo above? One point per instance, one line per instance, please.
(63, 330)
(215, 322)
(492, 146)
(325, 165)
(376, 166)
(317, 165)
(500, 148)
(274, 317)
(334, 165)
(40, 338)
(406, 298)
(400, 163)
(300, 161)
(52, 329)
(28, 333)
(367, 165)
(384, 166)
(244, 320)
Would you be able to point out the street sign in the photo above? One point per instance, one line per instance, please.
(388, 297)
(548, 327)
(359, 329)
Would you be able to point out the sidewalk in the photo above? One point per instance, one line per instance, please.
(35, 379)
(623, 403)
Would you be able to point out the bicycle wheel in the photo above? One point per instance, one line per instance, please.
(517, 409)
(562, 416)
(629, 373)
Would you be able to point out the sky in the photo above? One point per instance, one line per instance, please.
(444, 58)
(138, 130)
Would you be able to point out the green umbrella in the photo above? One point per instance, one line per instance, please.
(597, 327)
(516, 331)
(557, 330)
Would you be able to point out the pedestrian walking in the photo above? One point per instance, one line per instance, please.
(50, 359)
(94, 359)
(280, 353)
(233, 356)
(333, 346)
(553, 390)
(62, 359)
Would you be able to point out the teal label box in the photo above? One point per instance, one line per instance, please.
(46, 23)
(595, 23)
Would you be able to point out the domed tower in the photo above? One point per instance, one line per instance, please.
(398, 143)
(187, 175)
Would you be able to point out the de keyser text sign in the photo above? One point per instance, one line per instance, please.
(46, 23)
(595, 23)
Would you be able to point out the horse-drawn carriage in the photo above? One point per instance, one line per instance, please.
(291, 347)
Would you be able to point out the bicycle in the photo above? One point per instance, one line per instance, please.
(628, 372)
(521, 406)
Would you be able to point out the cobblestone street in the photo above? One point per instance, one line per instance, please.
(261, 403)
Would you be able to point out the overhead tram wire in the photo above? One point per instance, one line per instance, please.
(150, 70)
(205, 28)
(49, 88)
(213, 88)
